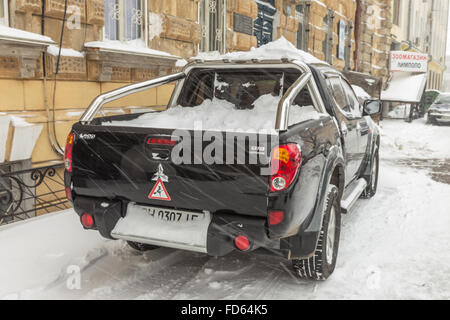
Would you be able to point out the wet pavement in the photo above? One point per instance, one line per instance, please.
(438, 169)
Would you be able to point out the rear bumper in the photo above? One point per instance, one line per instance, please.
(214, 237)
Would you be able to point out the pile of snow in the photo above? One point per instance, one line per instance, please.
(33, 265)
(54, 51)
(414, 140)
(181, 63)
(213, 114)
(275, 50)
(134, 46)
(17, 34)
(220, 115)
(361, 93)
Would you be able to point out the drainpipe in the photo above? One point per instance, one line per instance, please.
(408, 35)
(357, 30)
(225, 27)
(51, 130)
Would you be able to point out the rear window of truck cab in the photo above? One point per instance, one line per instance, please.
(240, 87)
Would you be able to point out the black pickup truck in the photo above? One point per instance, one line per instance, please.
(308, 150)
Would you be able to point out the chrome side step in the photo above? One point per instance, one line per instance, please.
(352, 193)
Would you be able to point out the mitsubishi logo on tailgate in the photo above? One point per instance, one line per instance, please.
(160, 175)
(159, 191)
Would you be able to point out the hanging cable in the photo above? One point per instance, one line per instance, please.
(50, 129)
(55, 144)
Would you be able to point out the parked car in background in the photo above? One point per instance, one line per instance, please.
(430, 97)
(439, 112)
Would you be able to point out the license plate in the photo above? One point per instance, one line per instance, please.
(175, 216)
(164, 227)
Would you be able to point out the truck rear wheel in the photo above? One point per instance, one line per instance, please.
(141, 246)
(322, 263)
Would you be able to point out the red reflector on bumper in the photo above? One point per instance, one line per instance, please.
(242, 243)
(87, 220)
(275, 217)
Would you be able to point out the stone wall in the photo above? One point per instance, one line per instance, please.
(375, 38)
(237, 41)
(174, 26)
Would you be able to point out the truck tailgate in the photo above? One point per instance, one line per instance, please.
(119, 162)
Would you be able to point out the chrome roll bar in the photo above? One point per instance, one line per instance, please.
(282, 119)
(110, 96)
(284, 106)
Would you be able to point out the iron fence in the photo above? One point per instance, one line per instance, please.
(30, 192)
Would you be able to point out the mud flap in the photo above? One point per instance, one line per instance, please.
(300, 246)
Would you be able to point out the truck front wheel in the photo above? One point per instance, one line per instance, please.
(322, 263)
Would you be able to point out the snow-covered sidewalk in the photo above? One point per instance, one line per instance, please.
(394, 246)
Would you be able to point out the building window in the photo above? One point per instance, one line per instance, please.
(396, 12)
(123, 20)
(302, 16)
(327, 44)
(4, 18)
(263, 26)
(212, 21)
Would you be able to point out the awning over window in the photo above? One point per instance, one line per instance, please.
(405, 87)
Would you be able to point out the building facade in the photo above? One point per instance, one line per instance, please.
(446, 84)
(374, 38)
(421, 26)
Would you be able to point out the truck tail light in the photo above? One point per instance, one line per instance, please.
(162, 142)
(286, 160)
(68, 193)
(68, 152)
(275, 217)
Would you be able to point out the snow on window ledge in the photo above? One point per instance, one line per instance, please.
(134, 47)
(54, 51)
(17, 35)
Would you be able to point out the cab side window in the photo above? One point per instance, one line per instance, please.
(303, 98)
(337, 92)
(302, 108)
(355, 107)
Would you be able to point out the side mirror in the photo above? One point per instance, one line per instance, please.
(372, 107)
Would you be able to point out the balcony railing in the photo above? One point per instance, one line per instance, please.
(31, 192)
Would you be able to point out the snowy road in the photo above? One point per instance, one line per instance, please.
(394, 246)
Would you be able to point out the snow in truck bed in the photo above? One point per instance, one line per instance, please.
(221, 115)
